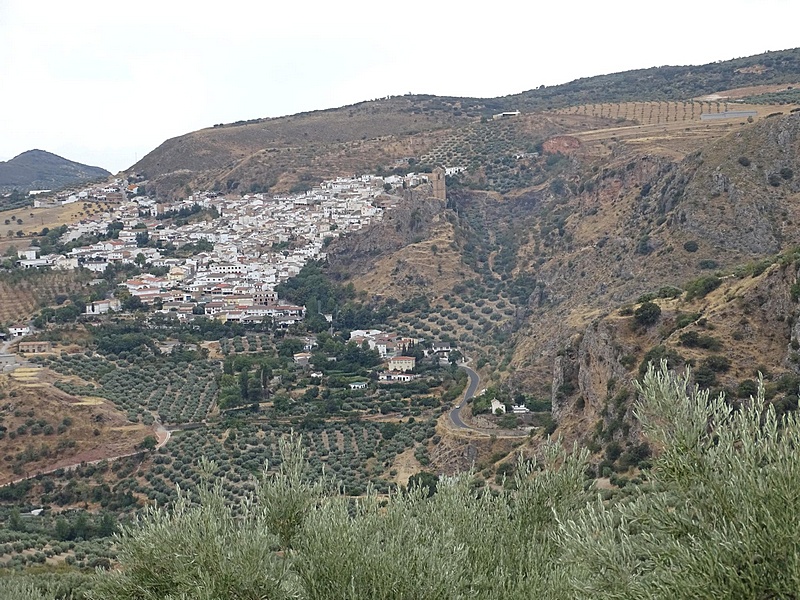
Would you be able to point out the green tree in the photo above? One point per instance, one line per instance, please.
(62, 529)
(204, 552)
(424, 480)
(702, 286)
(15, 520)
(148, 443)
(21, 589)
(108, 524)
(244, 382)
(133, 303)
(718, 519)
(647, 314)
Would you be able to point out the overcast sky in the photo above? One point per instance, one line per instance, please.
(104, 82)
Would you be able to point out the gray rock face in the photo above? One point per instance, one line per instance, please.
(598, 367)
(557, 400)
(587, 373)
(734, 207)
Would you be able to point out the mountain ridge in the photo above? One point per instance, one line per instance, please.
(261, 153)
(40, 169)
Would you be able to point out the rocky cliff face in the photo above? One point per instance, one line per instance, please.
(588, 374)
(415, 215)
(750, 321)
(733, 195)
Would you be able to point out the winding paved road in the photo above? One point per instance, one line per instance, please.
(455, 413)
(474, 382)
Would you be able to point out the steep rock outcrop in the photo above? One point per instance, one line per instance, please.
(414, 216)
(587, 373)
(599, 368)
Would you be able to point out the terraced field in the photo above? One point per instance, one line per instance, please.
(670, 129)
(20, 299)
(650, 113)
(356, 454)
(173, 392)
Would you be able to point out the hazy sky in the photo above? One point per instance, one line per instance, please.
(104, 82)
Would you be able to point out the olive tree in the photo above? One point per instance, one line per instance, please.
(200, 551)
(721, 516)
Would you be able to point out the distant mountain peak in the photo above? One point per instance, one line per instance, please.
(40, 169)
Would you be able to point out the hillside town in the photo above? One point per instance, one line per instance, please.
(229, 260)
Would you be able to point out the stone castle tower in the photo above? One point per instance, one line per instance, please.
(439, 188)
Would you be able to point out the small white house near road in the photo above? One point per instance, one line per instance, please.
(19, 330)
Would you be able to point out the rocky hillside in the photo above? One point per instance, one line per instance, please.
(40, 170)
(615, 220)
(291, 152)
(543, 287)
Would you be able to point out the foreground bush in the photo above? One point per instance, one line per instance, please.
(298, 539)
(723, 518)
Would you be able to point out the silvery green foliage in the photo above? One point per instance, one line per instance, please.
(295, 539)
(287, 497)
(457, 544)
(722, 519)
(20, 589)
(201, 552)
(45, 586)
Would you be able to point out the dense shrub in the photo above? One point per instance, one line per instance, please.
(708, 264)
(656, 355)
(747, 388)
(702, 286)
(691, 246)
(693, 339)
(705, 377)
(684, 319)
(647, 314)
(718, 364)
